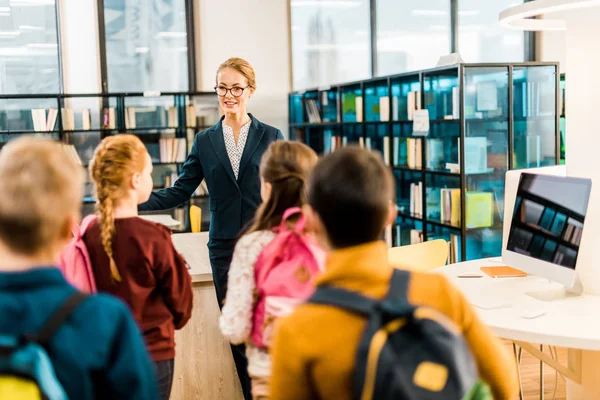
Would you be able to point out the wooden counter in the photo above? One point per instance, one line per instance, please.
(204, 368)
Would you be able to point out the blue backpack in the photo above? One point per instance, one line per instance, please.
(26, 371)
(407, 352)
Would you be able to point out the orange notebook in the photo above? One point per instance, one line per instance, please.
(503, 271)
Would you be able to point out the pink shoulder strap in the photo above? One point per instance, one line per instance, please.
(289, 213)
(79, 231)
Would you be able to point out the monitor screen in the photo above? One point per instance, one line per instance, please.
(548, 218)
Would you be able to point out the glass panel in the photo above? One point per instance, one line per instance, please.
(332, 140)
(486, 158)
(482, 39)
(28, 47)
(378, 139)
(405, 29)
(146, 45)
(316, 139)
(377, 101)
(401, 132)
(39, 115)
(442, 95)
(330, 42)
(442, 200)
(406, 231)
(352, 134)
(296, 110)
(150, 112)
(330, 105)
(405, 91)
(409, 186)
(352, 104)
(534, 102)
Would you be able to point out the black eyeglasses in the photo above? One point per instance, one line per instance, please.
(235, 91)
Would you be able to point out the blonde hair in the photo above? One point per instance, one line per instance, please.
(243, 67)
(115, 161)
(41, 187)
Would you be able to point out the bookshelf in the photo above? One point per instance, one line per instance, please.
(443, 132)
(165, 122)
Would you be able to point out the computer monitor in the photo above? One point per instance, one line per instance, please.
(546, 227)
(511, 183)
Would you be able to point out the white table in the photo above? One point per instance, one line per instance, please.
(572, 323)
(163, 219)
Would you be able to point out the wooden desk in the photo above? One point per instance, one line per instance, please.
(204, 368)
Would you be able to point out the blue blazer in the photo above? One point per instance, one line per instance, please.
(233, 202)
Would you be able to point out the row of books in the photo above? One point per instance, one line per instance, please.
(416, 199)
(152, 117)
(333, 142)
(172, 150)
(312, 111)
(43, 122)
(573, 234)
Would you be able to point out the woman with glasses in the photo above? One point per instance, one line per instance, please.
(227, 155)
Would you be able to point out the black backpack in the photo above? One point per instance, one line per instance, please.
(407, 352)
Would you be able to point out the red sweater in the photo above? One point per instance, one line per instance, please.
(155, 281)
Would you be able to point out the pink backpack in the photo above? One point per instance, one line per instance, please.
(284, 273)
(74, 260)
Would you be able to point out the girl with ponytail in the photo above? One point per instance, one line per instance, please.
(284, 171)
(134, 259)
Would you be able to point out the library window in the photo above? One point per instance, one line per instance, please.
(28, 47)
(482, 39)
(411, 35)
(330, 41)
(146, 45)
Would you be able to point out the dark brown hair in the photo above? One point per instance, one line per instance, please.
(286, 166)
(351, 190)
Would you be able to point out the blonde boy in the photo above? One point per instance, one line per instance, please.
(97, 352)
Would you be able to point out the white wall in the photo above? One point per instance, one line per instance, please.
(258, 31)
(551, 45)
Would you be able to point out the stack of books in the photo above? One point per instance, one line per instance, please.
(416, 199)
(172, 150)
(41, 123)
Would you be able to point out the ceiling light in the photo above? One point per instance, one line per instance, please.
(522, 16)
(440, 13)
(4, 14)
(5, 10)
(142, 49)
(30, 28)
(326, 3)
(171, 34)
(9, 33)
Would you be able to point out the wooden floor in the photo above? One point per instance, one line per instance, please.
(530, 377)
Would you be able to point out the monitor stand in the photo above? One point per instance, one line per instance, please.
(558, 292)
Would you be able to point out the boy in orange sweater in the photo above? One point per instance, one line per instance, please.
(350, 202)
